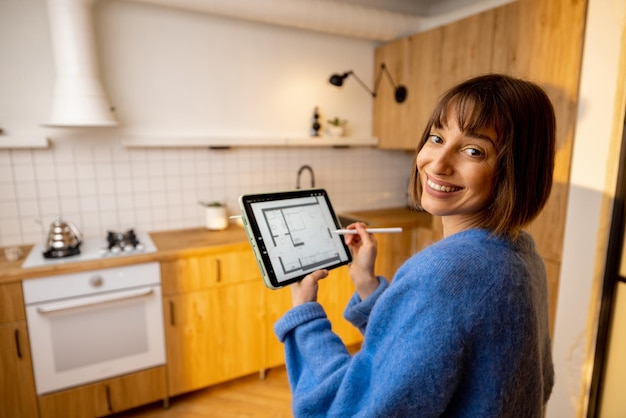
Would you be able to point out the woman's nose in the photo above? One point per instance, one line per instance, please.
(442, 161)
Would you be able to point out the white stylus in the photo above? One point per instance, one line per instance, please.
(370, 230)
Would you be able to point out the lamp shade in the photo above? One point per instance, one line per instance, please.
(400, 94)
(337, 79)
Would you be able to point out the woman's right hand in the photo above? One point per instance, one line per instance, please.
(363, 248)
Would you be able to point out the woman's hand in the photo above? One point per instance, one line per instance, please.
(364, 248)
(306, 289)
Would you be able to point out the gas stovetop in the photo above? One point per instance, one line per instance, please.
(114, 245)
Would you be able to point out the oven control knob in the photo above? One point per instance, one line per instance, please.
(96, 281)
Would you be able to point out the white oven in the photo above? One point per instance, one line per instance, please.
(93, 325)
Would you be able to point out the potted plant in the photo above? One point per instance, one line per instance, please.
(216, 215)
(336, 126)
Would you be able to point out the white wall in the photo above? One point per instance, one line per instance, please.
(593, 179)
(173, 73)
(170, 71)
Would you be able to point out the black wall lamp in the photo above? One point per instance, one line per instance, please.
(400, 90)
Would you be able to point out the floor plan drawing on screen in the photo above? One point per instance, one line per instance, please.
(292, 234)
(300, 237)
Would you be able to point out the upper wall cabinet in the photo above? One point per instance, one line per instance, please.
(428, 63)
(467, 49)
(415, 62)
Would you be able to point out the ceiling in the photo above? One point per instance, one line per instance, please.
(422, 8)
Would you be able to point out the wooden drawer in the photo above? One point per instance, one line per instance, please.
(198, 272)
(238, 266)
(188, 274)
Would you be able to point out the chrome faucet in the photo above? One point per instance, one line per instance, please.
(305, 167)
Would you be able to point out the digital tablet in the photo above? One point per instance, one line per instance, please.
(292, 235)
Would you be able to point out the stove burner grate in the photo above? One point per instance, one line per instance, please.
(123, 241)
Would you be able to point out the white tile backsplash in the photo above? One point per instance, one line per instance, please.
(106, 186)
(7, 191)
(24, 171)
(25, 190)
(65, 171)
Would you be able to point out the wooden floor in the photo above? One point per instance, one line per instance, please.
(246, 397)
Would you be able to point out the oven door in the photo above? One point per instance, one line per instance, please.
(85, 339)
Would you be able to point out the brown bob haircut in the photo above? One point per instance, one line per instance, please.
(523, 117)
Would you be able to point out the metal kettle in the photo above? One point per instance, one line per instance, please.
(64, 239)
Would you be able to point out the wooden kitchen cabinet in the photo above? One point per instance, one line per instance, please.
(334, 293)
(213, 335)
(429, 63)
(416, 63)
(467, 49)
(214, 318)
(241, 329)
(17, 387)
(277, 302)
(106, 397)
(17, 384)
(192, 352)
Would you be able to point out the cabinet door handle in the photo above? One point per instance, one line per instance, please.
(219, 270)
(172, 314)
(108, 395)
(17, 343)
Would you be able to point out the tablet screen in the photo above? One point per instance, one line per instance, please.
(292, 234)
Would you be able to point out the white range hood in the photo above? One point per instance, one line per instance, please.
(78, 99)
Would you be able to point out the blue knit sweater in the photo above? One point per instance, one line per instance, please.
(462, 331)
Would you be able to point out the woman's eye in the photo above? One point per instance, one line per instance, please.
(435, 139)
(474, 152)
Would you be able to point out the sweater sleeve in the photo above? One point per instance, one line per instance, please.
(399, 366)
(314, 354)
(358, 311)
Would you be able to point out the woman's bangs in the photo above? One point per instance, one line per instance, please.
(473, 113)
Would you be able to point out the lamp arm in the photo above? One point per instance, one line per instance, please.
(400, 91)
(384, 69)
(373, 93)
(378, 77)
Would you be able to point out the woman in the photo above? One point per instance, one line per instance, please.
(462, 331)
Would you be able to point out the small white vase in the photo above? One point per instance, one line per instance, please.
(216, 218)
(334, 131)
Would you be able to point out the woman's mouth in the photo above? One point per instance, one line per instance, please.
(440, 187)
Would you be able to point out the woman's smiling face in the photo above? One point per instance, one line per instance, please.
(456, 172)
